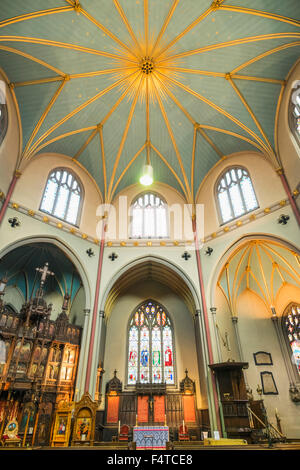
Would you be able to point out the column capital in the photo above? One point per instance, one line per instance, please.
(213, 310)
(102, 314)
(234, 319)
(86, 311)
(274, 318)
(198, 313)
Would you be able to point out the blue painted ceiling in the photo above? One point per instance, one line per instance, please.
(219, 65)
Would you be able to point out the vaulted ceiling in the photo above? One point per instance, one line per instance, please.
(114, 84)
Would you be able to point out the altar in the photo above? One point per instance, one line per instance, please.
(151, 437)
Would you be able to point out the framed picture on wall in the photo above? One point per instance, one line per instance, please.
(262, 358)
(268, 383)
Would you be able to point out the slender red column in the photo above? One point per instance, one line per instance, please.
(205, 316)
(9, 193)
(289, 194)
(95, 311)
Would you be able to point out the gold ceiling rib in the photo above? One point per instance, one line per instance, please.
(222, 75)
(146, 25)
(100, 131)
(276, 120)
(264, 14)
(191, 119)
(257, 123)
(171, 169)
(185, 31)
(124, 137)
(167, 122)
(72, 113)
(220, 110)
(35, 14)
(85, 144)
(235, 42)
(72, 76)
(63, 136)
(126, 22)
(44, 115)
(264, 54)
(147, 120)
(164, 27)
(266, 288)
(106, 31)
(193, 160)
(64, 45)
(34, 59)
(126, 169)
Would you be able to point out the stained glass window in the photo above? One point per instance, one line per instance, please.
(3, 115)
(235, 194)
(150, 346)
(149, 217)
(292, 328)
(62, 196)
(295, 110)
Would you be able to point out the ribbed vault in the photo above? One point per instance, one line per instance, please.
(178, 83)
(150, 271)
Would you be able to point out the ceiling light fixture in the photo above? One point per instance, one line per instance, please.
(147, 176)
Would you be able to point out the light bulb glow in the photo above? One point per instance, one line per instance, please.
(147, 177)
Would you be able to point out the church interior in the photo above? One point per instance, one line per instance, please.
(149, 224)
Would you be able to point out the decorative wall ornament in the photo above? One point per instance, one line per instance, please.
(209, 251)
(113, 256)
(262, 358)
(90, 252)
(283, 219)
(186, 256)
(14, 222)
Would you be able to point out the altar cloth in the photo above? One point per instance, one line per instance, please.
(151, 437)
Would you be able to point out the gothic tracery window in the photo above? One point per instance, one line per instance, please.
(3, 116)
(292, 328)
(235, 194)
(62, 196)
(149, 217)
(150, 346)
(295, 110)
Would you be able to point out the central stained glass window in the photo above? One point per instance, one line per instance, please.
(150, 346)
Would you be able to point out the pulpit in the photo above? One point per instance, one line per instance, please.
(234, 399)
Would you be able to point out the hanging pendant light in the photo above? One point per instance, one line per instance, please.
(147, 176)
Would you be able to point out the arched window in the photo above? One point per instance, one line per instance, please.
(150, 356)
(3, 115)
(62, 196)
(149, 217)
(235, 194)
(294, 115)
(291, 327)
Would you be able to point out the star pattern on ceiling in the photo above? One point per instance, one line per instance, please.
(179, 84)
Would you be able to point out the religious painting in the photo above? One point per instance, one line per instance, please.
(83, 428)
(44, 354)
(61, 430)
(25, 352)
(33, 369)
(36, 354)
(62, 426)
